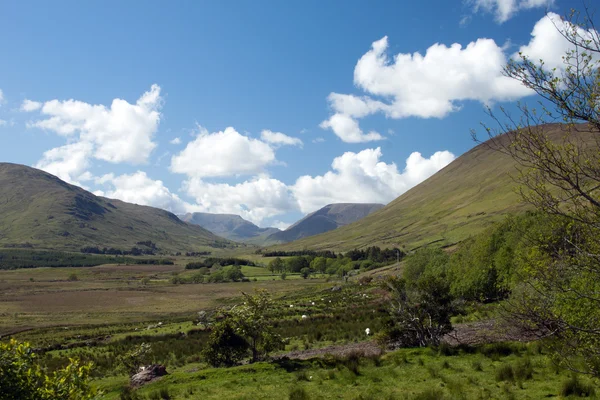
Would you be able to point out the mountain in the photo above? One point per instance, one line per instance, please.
(330, 217)
(41, 211)
(229, 226)
(462, 199)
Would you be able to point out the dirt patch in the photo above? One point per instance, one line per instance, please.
(472, 334)
(490, 331)
(366, 349)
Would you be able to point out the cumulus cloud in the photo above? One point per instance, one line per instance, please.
(363, 178)
(3, 122)
(138, 188)
(279, 139)
(2, 99)
(68, 162)
(175, 141)
(122, 132)
(318, 140)
(30, 105)
(429, 85)
(548, 44)
(503, 10)
(255, 199)
(222, 153)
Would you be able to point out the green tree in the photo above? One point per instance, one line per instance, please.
(319, 264)
(560, 176)
(252, 322)
(225, 346)
(420, 313)
(21, 377)
(277, 265)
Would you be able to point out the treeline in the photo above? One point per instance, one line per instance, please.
(218, 274)
(210, 261)
(342, 264)
(15, 259)
(311, 253)
(484, 268)
(134, 251)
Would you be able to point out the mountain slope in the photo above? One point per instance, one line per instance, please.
(460, 200)
(39, 210)
(323, 220)
(229, 226)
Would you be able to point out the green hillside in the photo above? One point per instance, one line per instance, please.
(460, 200)
(40, 211)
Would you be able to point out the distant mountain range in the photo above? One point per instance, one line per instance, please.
(328, 218)
(236, 228)
(38, 210)
(230, 226)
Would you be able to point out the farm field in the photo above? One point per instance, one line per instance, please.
(42, 297)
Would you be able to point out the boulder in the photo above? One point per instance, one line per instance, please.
(148, 374)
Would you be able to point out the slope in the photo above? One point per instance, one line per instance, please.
(330, 217)
(39, 210)
(462, 199)
(229, 226)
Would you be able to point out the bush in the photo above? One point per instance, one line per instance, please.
(224, 346)
(21, 376)
(574, 387)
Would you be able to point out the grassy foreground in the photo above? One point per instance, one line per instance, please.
(490, 372)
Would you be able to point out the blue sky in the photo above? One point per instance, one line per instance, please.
(265, 109)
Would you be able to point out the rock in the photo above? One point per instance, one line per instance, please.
(336, 288)
(149, 373)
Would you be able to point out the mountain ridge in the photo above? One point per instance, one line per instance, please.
(39, 210)
(462, 199)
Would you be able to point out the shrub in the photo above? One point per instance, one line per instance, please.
(574, 387)
(224, 346)
(21, 376)
(505, 373)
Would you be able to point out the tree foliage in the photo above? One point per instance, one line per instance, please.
(420, 312)
(244, 329)
(21, 377)
(560, 176)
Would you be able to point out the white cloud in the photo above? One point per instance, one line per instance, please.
(223, 153)
(425, 86)
(255, 199)
(280, 225)
(347, 129)
(506, 9)
(68, 162)
(2, 99)
(318, 140)
(278, 138)
(548, 44)
(138, 188)
(121, 133)
(3, 122)
(176, 141)
(30, 105)
(431, 85)
(362, 178)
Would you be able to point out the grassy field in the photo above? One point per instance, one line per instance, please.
(513, 372)
(108, 310)
(41, 297)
